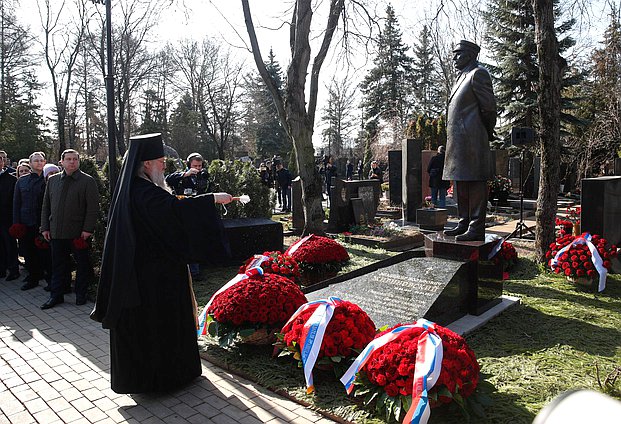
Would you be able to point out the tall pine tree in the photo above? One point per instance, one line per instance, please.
(262, 122)
(427, 88)
(511, 37)
(387, 86)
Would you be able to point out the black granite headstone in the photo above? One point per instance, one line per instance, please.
(395, 173)
(617, 166)
(500, 160)
(601, 210)
(249, 236)
(432, 288)
(341, 209)
(412, 192)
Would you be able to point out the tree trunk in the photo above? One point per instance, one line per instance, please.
(549, 101)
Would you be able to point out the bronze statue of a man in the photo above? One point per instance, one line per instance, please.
(470, 127)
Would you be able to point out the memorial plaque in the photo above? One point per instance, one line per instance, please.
(342, 211)
(367, 195)
(432, 288)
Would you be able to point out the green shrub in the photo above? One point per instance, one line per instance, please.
(239, 178)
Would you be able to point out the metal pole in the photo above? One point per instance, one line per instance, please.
(110, 99)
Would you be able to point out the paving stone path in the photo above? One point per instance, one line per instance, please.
(54, 368)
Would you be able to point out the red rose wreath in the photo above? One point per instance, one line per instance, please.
(276, 263)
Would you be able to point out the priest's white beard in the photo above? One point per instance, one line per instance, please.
(156, 177)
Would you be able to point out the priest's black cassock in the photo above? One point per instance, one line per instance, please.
(144, 295)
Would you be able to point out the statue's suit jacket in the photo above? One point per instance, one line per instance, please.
(470, 125)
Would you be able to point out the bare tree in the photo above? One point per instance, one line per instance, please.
(297, 117)
(61, 46)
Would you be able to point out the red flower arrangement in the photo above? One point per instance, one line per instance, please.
(277, 263)
(507, 255)
(18, 231)
(41, 243)
(260, 303)
(80, 244)
(577, 260)
(388, 375)
(317, 253)
(347, 333)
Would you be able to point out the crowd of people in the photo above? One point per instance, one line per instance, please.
(48, 214)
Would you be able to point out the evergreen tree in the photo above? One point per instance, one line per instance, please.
(427, 87)
(511, 37)
(337, 114)
(154, 115)
(185, 135)
(262, 122)
(387, 86)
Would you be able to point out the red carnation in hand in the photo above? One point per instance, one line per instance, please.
(18, 231)
(41, 243)
(80, 244)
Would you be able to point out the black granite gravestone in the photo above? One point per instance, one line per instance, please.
(297, 210)
(500, 160)
(617, 165)
(248, 236)
(341, 210)
(431, 288)
(412, 178)
(395, 177)
(601, 210)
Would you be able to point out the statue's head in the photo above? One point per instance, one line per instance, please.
(464, 54)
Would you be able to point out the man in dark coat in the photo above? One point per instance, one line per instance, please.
(145, 295)
(470, 127)
(8, 245)
(436, 183)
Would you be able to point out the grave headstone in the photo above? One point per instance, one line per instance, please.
(500, 160)
(432, 288)
(341, 209)
(601, 210)
(394, 177)
(297, 209)
(248, 236)
(514, 173)
(617, 166)
(412, 178)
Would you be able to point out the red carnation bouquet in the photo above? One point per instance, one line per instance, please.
(350, 329)
(577, 261)
(507, 255)
(318, 254)
(41, 243)
(276, 263)
(388, 376)
(80, 244)
(254, 309)
(18, 231)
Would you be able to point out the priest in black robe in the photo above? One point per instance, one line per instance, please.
(145, 296)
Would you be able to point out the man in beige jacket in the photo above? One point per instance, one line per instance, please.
(70, 208)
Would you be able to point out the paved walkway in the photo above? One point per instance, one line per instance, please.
(54, 368)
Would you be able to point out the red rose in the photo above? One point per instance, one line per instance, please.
(567, 271)
(80, 244)
(18, 231)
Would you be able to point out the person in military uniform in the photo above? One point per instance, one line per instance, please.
(470, 127)
(193, 180)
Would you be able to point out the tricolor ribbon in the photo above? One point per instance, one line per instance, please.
(426, 372)
(312, 334)
(253, 268)
(595, 258)
(295, 246)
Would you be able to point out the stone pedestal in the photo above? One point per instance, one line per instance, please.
(395, 177)
(484, 277)
(431, 219)
(412, 178)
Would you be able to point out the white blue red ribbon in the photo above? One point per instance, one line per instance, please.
(426, 372)
(595, 258)
(295, 246)
(253, 268)
(312, 334)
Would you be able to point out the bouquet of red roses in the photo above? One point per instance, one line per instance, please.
(18, 231)
(387, 376)
(507, 255)
(577, 261)
(259, 303)
(80, 244)
(276, 263)
(316, 253)
(348, 331)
